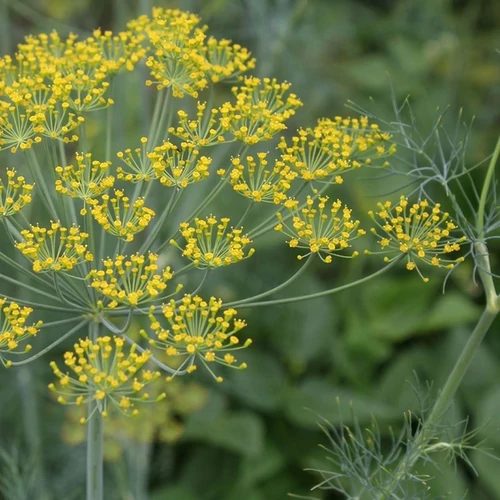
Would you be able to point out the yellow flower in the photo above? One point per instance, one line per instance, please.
(420, 231)
(262, 107)
(14, 330)
(88, 179)
(14, 194)
(103, 372)
(124, 219)
(335, 146)
(226, 60)
(131, 281)
(55, 248)
(320, 231)
(179, 165)
(198, 331)
(138, 163)
(258, 182)
(209, 244)
(206, 130)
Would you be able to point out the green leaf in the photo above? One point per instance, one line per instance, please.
(239, 432)
(452, 309)
(262, 384)
(265, 466)
(315, 399)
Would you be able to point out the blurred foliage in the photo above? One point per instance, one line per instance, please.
(358, 350)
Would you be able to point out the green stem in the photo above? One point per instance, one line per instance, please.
(67, 201)
(484, 192)
(289, 281)
(44, 191)
(311, 296)
(95, 476)
(166, 113)
(428, 430)
(51, 346)
(161, 220)
(29, 287)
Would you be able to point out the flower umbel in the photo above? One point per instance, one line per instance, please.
(179, 165)
(258, 182)
(319, 230)
(199, 331)
(130, 281)
(324, 152)
(88, 179)
(419, 231)
(56, 248)
(14, 194)
(209, 244)
(13, 329)
(103, 372)
(124, 219)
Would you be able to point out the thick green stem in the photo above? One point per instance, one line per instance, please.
(428, 429)
(485, 191)
(95, 476)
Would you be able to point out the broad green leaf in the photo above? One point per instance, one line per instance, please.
(315, 399)
(239, 432)
(262, 384)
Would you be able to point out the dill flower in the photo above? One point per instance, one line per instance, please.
(103, 372)
(200, 332)
(123, 219)
(324, 152)
(258, 182)
(179, 166)
(88, 179)
(18, 127)
(122, 50)
(130, 280)
(262, 107)
(319, 230)
(204, 131)
(56, 248)
(227, 60)
(419, 231)
(209, 243)
(139, 165)
(15, 193)
(176, 58)
(14, 330)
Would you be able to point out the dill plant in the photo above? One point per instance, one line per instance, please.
(94, 251)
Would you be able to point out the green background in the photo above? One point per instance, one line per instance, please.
(376, 349)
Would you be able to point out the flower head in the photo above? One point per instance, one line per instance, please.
(101, 371)
(139, 165)
(121, 218)
(262, 107)
(55, 248)
(130, 281)
(199, 331)
(226, 60)
(206, 130)
(258, 182)
(87, 180)
(332, 147)
(418, 231)
(319, 229)
(179, 165)
(14, 330)
(209, 243)
(15, 193)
